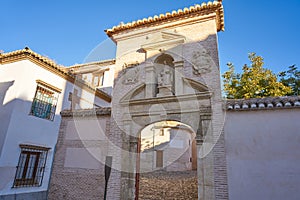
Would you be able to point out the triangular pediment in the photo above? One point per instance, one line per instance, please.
(163, 39)
(135, 94)
(171, 36)
(191, 87)
(197, 86)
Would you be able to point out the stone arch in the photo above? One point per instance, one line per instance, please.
(171, 124)
(139, 113)
(169, 147)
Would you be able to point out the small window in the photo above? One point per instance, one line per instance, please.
(98, 79)
(44, 102)
(159, 158)
(162, 132)
(31, 166)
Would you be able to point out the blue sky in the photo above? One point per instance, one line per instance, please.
(67, 31)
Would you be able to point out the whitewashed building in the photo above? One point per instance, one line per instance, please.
(33, 91)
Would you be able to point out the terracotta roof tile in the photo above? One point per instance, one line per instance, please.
(28, 51)
(263, 103)
(50, 65)
(215, 6)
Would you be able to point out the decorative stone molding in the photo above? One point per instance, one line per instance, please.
(97, 64)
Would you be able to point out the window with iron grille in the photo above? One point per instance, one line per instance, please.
(44, 102)
(31, 166)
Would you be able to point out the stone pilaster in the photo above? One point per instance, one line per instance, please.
(178, 77)
(150, 81)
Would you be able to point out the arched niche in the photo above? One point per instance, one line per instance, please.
(165, 59)
(164, 75)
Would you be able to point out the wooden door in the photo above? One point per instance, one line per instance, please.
(159, 158)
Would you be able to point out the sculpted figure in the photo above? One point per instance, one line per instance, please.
(165, 78)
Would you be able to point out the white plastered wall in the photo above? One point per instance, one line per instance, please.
(263, 154)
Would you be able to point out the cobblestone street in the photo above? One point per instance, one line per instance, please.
(161, 185)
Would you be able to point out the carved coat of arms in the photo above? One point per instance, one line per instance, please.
(202, 62)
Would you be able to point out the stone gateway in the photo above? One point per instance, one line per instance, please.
(164, 84)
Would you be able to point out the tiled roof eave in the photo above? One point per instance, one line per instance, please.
(28, 54)
(268, 103)
(204, 8)
(48, 64)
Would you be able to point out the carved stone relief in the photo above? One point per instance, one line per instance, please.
(131, 74)
(201, 61)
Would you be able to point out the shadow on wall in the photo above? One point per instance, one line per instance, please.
(4, 112)
(10, 152)
(4, 86)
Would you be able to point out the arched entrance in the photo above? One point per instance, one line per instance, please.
(164, 96)
(166, 162)
(168, 145)
(165, 87)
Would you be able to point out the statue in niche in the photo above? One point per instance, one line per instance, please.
(202, 62)
(165, 77)
(165, 83)
(165, 72)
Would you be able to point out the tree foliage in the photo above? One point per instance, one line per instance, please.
(255, 81)
(291, 78)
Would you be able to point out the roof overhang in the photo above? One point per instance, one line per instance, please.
(203, 9)
(50, 65)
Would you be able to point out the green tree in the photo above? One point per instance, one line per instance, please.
(255, 81)
(291, 78)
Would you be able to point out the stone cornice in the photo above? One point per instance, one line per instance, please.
(98, 63)
(204, 110)
(89, 69)
(166, 43)
(203, 9)
(166, 99)
(34, 147)
(269, 103)
(50, 65)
